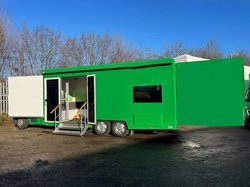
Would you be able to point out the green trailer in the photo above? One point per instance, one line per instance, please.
(155, 94)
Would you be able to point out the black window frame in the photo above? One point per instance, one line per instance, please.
(147, 94)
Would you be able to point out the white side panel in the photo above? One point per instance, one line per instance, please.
(246, 76)
(26, 96)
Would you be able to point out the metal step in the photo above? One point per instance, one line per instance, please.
(72, 121)
(67, 132)
(67, 126)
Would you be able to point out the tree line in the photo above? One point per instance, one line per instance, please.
(25, 51)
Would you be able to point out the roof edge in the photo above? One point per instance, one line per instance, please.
(113, 66)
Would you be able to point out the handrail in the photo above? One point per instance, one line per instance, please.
(83, 116)
(83, 129)
(52, 111)
(83, 105)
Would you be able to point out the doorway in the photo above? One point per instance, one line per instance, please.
(91, 104)
(71, 93)
(52, 98)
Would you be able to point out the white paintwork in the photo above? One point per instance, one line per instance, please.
(26, 96)
(246, 75)
(188, 58)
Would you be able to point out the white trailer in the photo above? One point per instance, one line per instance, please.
(25, 99)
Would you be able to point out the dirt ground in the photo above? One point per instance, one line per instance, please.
(190, 157)
(21, 149)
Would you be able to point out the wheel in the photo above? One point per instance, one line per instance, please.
(102, 128)
(119, 128)
(247, 123)
(22, 123)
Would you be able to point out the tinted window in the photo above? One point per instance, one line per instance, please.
(147, 94)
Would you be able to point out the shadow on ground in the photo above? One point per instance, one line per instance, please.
(210, 157)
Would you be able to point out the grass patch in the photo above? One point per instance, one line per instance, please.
(4, 118)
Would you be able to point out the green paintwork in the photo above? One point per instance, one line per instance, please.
(196, 93)
(114, 92)
(35, 121)
(103, 67)
(211, 93)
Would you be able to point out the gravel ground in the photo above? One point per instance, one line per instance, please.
(197, 157)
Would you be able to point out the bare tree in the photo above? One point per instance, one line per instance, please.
(29, 51)
(210, 50)
(5, 42)
(175, 49)
(37, 49)
(91, 48)
(243, 54)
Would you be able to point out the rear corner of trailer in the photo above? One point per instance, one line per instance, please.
(211, 92)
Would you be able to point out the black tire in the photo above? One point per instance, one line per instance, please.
(119, 128)
(22, 123)
(247, 123)
(102, 128)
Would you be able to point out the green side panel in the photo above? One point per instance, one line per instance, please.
(35, 121)
(211, 92)
(114, 97)
(114, 92)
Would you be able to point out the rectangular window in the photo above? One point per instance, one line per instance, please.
(147, 94)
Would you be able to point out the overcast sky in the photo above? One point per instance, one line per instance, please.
(151, 23)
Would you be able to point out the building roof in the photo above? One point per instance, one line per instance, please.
(188, 58)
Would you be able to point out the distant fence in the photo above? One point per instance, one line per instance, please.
(4, 97)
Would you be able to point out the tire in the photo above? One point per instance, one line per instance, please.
(119, 128)
(102, 128)
(22, 123)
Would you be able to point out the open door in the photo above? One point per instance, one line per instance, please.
(52, 98)
(91, 99)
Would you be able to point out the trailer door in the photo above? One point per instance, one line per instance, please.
(52, 98)
(91, 96)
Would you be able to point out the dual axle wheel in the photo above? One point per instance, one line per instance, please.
(118, 128)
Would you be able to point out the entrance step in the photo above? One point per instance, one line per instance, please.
(67, 132)
(69, 126)
(72, 121)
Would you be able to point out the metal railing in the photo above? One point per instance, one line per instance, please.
(55, 114)
(82, 111)
(4, 97)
